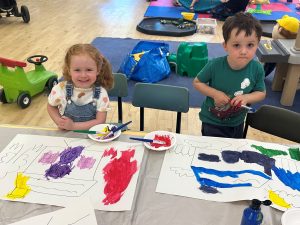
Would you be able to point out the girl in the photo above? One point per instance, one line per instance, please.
(81, 100)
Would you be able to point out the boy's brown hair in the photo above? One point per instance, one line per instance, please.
(243, 22)
(104, 78)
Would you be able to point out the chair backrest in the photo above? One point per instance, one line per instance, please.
(276, 121)
(163, 97)
(119, 90)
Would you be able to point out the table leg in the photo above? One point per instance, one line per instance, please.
(280, 71)
(290, 85)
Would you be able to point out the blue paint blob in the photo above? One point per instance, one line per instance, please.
(260, 159)
(288, 178)
(207, 157)
(208, 189)
(231, 156)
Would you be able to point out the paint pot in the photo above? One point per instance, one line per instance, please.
(291, 217)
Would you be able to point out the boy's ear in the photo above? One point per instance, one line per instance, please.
(224, 45)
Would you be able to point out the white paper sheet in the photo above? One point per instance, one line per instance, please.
(78, 213)
(25, 160)
(223, 181)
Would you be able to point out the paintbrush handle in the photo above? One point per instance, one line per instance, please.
(141, 139)
(85, 131)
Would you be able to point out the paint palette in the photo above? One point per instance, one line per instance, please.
(161, 136)
(105, 128)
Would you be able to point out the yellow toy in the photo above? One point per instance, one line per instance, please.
(286, 28)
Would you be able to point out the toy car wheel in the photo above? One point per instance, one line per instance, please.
(24, 100)
(51, 83)
(25, 14)
(2, 96)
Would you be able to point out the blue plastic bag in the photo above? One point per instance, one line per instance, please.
(152, 66)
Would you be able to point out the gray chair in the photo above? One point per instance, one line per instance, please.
(276, 121)
(119, 90)
(163, 97)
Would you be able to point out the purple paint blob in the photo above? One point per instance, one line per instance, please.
(210, 158)
(70, 154)
(49, 158)
(58, 171)
(86, 162)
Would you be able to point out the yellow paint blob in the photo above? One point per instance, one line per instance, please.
(21, 187)
(276, 199)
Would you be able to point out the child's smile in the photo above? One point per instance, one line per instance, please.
(83, 70)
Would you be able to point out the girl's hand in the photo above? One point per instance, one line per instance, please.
(220, 99)
(65, 123)
(239, 100)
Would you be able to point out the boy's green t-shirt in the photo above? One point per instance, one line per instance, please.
(218, 74)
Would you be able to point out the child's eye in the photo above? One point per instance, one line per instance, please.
(236, 45)
(89, 70)
(77, 70)
(251, 45)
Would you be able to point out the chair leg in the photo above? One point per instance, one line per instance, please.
(120, 111)
(245, 130)
(141, 118)
(178, 122)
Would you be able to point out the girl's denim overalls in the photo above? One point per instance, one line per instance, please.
(84, 112)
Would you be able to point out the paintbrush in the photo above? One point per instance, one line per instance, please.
(114, 130)
(148, 140)
(90, 132)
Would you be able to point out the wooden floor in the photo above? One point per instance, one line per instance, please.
(55, 25)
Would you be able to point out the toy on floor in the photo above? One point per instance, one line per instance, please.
(19, 86)
(10, 8)
(190, 58)
(286, 28)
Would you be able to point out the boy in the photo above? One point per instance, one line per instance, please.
(233, 81)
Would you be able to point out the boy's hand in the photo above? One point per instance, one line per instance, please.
(65, 123)
(239, 100)
(221, 99)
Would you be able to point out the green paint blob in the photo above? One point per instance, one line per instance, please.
(269, 152)
(294, 153)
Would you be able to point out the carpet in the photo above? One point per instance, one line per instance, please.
(115, 50)
(165, 8)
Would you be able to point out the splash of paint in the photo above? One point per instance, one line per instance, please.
(231, 156)
(49, 158)
(249, 157)
(117, 174)
(86, 162)
(276, 199)
(208, 189)
(70, 154)
(164, 138)
(269, 152)
(21, 187)
(58, 171)
(294, 153)
(64, 166)
(207, 157)
(288, 178)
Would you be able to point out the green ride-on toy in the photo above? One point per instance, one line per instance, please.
(20, 87)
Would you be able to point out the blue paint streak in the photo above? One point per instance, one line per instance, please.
(290, 179)
(208, 189)
(234, 174)
(209, 182)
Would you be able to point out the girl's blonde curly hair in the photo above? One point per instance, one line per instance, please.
(104, 78)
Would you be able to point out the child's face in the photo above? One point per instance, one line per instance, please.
(240, 49)
(83, 71)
